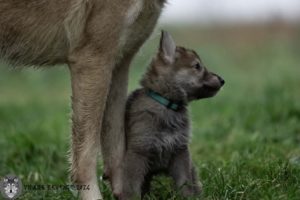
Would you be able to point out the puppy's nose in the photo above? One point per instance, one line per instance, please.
(221, 80)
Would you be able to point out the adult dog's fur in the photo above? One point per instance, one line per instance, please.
(97, 39)
(157, 136)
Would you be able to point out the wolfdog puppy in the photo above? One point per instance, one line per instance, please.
(157, 122)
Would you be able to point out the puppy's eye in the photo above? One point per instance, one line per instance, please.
(197, 66)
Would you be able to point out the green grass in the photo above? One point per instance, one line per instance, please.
(246, 140)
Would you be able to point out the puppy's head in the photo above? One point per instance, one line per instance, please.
(184, 68)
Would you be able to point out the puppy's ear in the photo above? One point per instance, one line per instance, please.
(167, 49)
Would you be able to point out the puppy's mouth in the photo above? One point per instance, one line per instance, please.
(211, 88)
(207, 91)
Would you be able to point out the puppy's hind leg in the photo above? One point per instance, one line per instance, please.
(184, 174)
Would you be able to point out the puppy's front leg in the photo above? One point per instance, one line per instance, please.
(91, 74)
(134, 171)
(183, 172)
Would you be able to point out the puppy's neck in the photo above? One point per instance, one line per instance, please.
(166, 89)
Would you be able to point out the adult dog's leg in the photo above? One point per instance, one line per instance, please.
(113, 133)
(91, 74)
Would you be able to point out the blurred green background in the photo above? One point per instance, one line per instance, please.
(245, 140)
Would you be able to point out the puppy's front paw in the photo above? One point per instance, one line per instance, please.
(192, 190)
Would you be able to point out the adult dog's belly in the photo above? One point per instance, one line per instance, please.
(38, 33)
(139, 23)
(32, 32)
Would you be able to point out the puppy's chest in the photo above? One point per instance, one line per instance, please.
(167, 143)
(170, 131)
(173, 134)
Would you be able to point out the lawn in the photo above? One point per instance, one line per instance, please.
(246, 140)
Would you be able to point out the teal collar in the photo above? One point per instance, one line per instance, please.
(163, 101)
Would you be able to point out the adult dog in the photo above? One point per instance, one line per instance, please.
(97, 39)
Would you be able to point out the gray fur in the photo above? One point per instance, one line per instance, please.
(157, 137)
